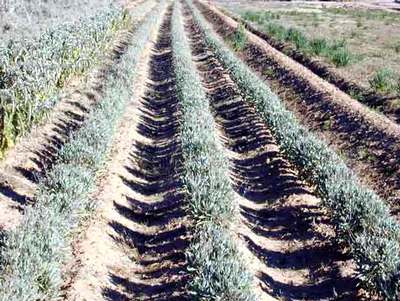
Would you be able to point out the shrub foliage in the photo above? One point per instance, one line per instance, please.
(32, 72)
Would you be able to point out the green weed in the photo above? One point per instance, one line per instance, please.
(340, 57)
(336, 51)
(397, 87)
(319, 46)
(396, 47)
(382, 80)
(239, 39)
(297, 37)
(277, 31)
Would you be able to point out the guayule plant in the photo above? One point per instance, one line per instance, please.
(216, 264)
(33, 254)
(33, 72)
(362, 219)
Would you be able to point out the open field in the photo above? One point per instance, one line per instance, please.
(192, 157)
(357, 44)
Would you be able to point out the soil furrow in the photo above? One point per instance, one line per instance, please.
(136, 248)
(368, 141)
(35, 154)
(282, 222)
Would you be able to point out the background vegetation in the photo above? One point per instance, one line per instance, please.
(21, 19)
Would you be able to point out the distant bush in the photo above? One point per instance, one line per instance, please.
(340, 57)
(336, 51)
(297, 37)
(319, 46)
(397, 47)
(383, 80)
(398, 87)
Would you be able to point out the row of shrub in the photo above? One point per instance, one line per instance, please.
(362, 219)
(217, 268)
(33, 254)
(32, 72)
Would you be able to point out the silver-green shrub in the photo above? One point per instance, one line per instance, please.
(25, 19)
(216, 264)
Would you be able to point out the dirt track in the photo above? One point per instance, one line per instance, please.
(136, 248)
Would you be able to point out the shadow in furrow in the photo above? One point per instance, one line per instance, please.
(42, 157)
(155, 194)
(278, 210)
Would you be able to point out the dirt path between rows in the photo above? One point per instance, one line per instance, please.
(34, 155)
(135, 248)
(283, 224)
(368, 141)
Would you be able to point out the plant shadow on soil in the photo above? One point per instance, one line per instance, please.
(160, 240)
(44, 156)
(274, 202)
(265, 178)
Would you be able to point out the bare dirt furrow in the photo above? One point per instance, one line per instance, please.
(135, 249)
(368, 141)
(34, 155)
(282, 222)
